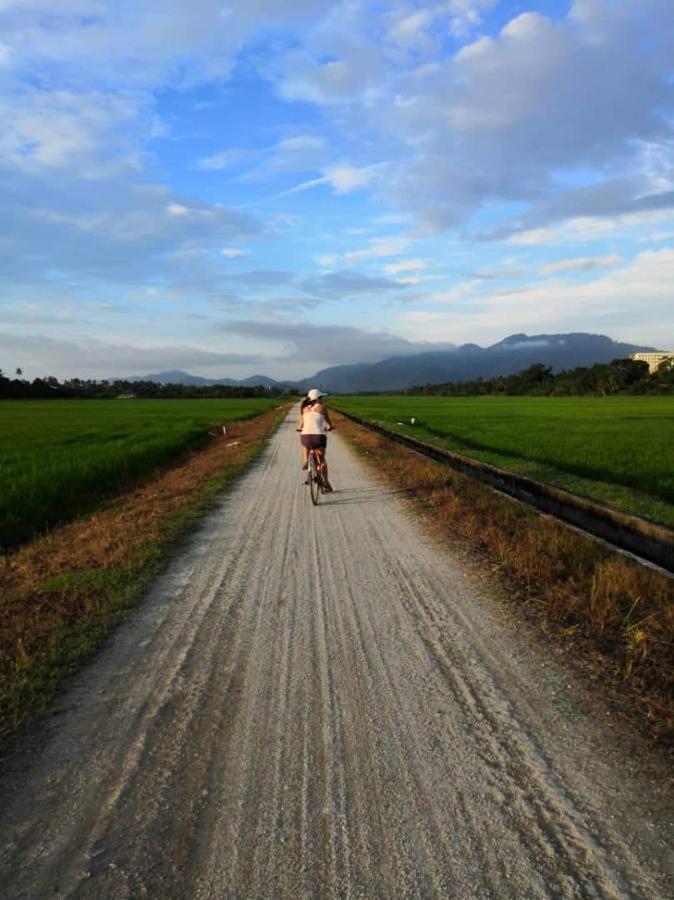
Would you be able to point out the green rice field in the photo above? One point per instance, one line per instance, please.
(617, 450)
(60, 458)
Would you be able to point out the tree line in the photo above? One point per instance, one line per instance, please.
(51, 388)
(621, 376)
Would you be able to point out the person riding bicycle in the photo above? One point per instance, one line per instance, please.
(314, 422)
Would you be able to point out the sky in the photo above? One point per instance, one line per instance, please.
(277, 186)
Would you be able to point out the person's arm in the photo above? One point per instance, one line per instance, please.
(328, 420)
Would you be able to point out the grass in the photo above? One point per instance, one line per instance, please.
(61, 593)
(611, 615)
(617, 450)
(61, 458)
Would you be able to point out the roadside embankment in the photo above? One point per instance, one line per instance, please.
(613, 615)
(61, 594)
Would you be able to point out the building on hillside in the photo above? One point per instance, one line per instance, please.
(127, 395)
(653, 359)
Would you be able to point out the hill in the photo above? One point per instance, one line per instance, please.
(178, 376)
(469, 361)
(462, 363)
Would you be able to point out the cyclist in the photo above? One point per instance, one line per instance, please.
(314, 422)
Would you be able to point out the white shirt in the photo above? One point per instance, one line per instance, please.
(313, 422)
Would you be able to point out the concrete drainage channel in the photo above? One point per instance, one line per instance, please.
(650, 542)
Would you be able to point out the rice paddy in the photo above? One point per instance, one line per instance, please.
(61, 458)
(617, 450)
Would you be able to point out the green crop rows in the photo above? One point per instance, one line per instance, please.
(60, 458)
(618, 450)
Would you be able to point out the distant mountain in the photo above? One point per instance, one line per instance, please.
(258, 381)
(463, 363)
(514, 353)
(177, 376)
(332, 378)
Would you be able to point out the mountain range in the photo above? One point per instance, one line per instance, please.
(461, 363)
(177, 376)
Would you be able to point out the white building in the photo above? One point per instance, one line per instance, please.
(653, 359)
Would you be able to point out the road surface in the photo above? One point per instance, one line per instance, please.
(323, 703)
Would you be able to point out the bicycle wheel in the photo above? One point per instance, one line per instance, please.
(314, 479)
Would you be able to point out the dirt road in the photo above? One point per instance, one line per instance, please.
(321, 703)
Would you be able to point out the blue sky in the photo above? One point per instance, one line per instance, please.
(284, 185)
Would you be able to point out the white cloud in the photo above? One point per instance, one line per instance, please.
(296, 153)
(507, 268)
(140, 43)
(378, 248)
(409, 30)
(499, 120)
(467, 14)
(533, 237)
(586, 229)
(302, 152)
(633, 303)
(82, 132)
(656, 237)
(326, 260)
(459, 291)
(234, 252)
(406, 265)
(581, 264)
(341, 178)
(301, 143)
(123, 234)
(219, 161)
(491, 122)
(344, 179)
(306, 77)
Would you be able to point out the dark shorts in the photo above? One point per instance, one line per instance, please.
(314, 441)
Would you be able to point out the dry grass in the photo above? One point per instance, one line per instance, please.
(60, 594)
(614, 615)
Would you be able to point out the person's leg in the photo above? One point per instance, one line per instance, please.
(304, 441)
(324, 466)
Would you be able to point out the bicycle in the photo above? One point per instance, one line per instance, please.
(315, 477)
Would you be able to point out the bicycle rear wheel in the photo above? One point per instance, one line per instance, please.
(314, 479)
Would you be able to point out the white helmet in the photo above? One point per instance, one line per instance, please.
(314, 394)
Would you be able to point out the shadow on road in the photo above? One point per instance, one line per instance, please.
(345, 496)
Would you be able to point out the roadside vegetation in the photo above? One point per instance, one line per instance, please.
(61, 593)
(61, 459)
(621, 376)
(50, 388)
(617, 450)
(611, 615)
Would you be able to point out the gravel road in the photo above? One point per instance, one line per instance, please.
(323, 703)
